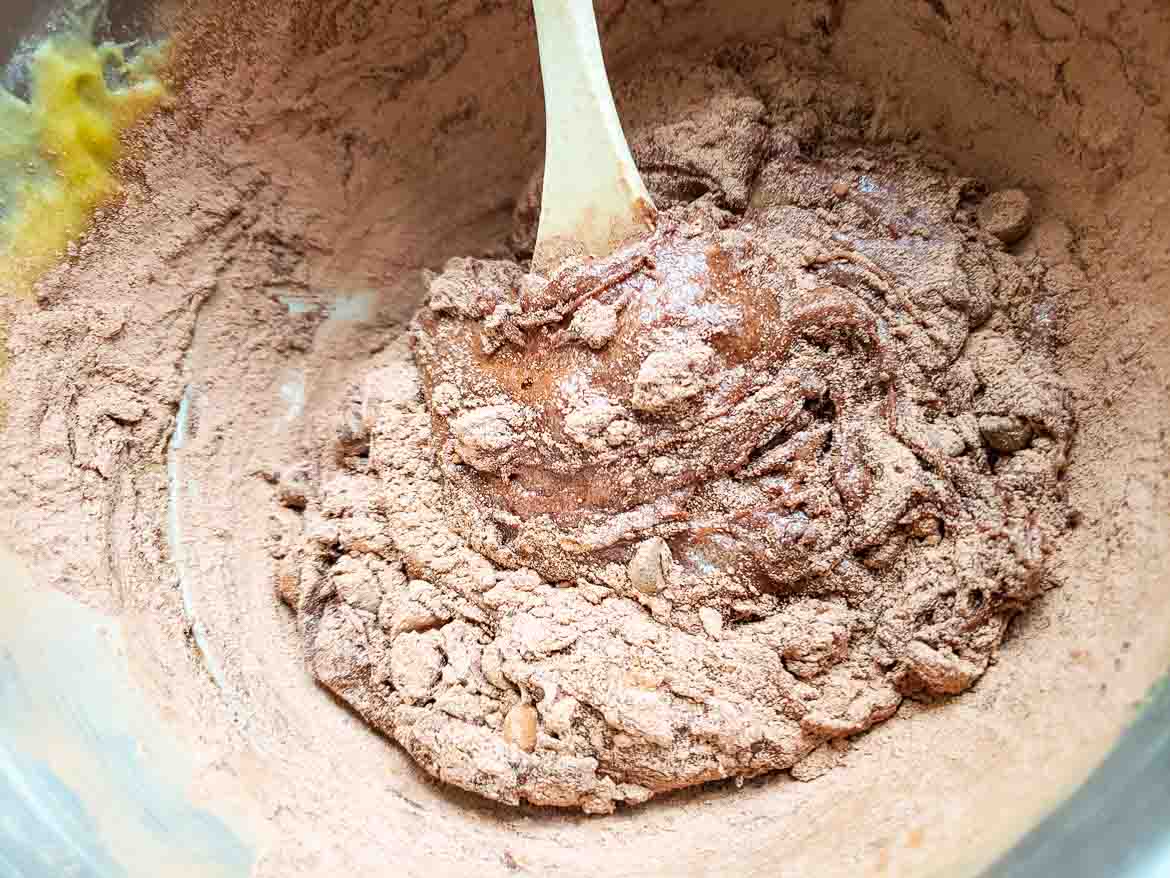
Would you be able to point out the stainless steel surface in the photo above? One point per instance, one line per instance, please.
(17, 18)
(1118, 823)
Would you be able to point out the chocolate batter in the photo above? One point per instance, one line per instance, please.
(706, 508)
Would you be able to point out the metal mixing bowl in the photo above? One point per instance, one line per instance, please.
(1116, 824)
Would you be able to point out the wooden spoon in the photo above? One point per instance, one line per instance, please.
(593, 199)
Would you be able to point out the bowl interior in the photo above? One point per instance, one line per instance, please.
(444, 105)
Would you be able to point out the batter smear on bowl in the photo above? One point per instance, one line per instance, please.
(710, 506)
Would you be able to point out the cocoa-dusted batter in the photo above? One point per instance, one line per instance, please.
(708, 506)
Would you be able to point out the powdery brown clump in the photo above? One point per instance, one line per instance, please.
(705, 508)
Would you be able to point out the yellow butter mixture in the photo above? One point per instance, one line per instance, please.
(59, 150)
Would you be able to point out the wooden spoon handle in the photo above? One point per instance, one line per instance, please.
(593, 198)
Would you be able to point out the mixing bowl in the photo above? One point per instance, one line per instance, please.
(129, 747)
